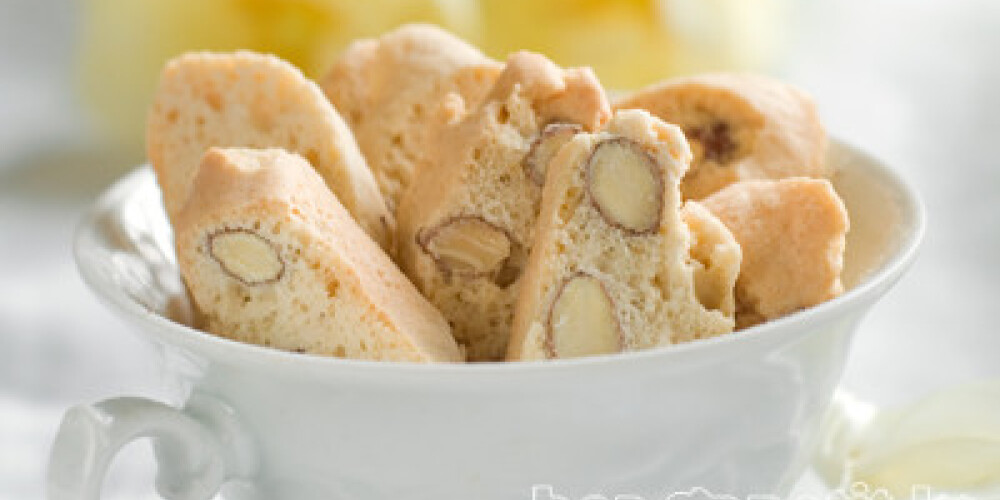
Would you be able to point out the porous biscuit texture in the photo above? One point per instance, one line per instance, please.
(397, 91)
(739, 127)
(466, 224)
(270, 257)
(715, 258)
(245, 99)
(615, 265)
(792, 233)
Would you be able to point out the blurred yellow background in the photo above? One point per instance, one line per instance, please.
(629, 43)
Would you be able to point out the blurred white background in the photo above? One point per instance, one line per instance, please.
(913, 81)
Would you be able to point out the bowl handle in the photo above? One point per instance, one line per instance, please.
(197, 449)
(948, 440)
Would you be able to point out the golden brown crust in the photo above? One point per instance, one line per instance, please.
(741, 127)
(398, 90)
(244, 99)
(569, 96)
(792, 233)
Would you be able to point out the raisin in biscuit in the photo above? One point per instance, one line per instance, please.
(465, 224)
(614, 265)
(792, 232)
(245, 99)
(398, 90)
(739, 127)
(272, 258)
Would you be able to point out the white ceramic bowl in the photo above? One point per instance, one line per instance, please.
(738, 414)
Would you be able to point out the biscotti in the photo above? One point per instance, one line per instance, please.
(739, 127)
(398, 90)
(614, 266)
(271, 257)
(466, 223)
(244, 99)
(792, 232)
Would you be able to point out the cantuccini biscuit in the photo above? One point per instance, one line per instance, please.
(271, 257)
(466, 223)
(398, 90)
(615, 266)
(792, 232)
(739, 127)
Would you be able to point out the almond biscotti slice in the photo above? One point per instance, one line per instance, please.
(466, 223)
(398, 90)
(615, 266)
(244, 99)
(271, 257)
(792, 232)
(739, 127)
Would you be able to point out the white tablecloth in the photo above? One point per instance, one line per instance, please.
(913, 82)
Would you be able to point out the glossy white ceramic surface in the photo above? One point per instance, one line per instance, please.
(737, 414)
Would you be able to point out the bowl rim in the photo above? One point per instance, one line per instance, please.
(177, 334)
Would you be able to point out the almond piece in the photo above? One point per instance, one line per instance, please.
(713, 142)
(246, 256)
(466, 246)
(582, 321)
(545, 147)
(626, 185)
(512, 266)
